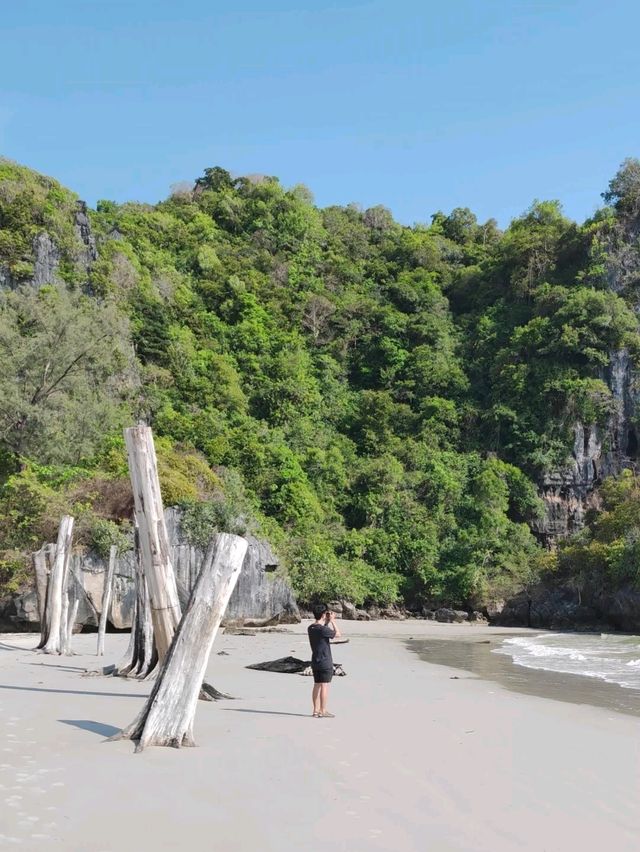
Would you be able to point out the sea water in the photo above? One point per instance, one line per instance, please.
(607, 657)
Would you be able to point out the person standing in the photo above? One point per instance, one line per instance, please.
(320, 632)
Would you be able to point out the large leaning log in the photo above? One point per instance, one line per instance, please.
(153, 537)
(55, 627)
(155, 559)
(168, 715)
(106, 598)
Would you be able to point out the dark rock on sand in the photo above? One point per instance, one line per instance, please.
(451, 616)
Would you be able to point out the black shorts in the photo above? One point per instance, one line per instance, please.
(322, 675)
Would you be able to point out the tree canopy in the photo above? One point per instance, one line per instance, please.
(379, 399)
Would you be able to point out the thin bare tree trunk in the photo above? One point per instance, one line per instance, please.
(168, 715)
(106, 598)
(56, 589)
(154, 540)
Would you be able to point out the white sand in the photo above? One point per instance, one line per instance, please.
(413, 760)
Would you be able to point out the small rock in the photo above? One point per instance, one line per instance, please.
(349, 611)
(362, 615)
(393, 613)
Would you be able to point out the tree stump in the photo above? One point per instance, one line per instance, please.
(56, 597)
(168, 715)
(106, 598)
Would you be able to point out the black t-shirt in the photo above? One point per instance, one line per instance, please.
(319, 635)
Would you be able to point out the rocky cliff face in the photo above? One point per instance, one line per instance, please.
(561, 607)
(47, 255)
(259, 593)
(597, 452)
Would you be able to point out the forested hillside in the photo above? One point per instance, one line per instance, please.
(381, 401)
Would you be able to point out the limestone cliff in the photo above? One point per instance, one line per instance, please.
(597, 452)
(261, 592)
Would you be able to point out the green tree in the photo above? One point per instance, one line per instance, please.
(67, 372)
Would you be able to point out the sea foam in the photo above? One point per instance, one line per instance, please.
(610, 658)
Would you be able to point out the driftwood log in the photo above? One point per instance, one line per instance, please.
(292, 665)
(106, 598)
(168, 715)
(53, 639)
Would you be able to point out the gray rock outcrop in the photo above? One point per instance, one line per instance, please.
(46, 260)
(597, 452)
(561, 607)
(87, 253)
(451, 616)
(261, 592)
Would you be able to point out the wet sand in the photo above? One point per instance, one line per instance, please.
(420, 756)
(476, 656)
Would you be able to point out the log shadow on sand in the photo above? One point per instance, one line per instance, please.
(74, 691)
(89, 725)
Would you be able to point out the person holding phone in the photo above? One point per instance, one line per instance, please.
(320, 632)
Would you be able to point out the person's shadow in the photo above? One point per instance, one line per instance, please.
(267, 712)
(95, 727)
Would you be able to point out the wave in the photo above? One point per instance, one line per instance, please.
(613, 659)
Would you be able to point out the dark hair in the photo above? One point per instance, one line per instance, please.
(319, 610)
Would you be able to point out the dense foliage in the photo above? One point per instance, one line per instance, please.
(606, 553)
(378, 399)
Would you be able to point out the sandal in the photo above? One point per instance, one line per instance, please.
(327, 716)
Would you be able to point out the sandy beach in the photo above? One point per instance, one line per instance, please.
(420, 756)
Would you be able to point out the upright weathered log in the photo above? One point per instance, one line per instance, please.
(141, 656)
(106, 598)
(154, 541)
(55, 591)
(72, 612)
(41, 571)
(42, 564)
(64, 617)
(168, 715)
(70, 604)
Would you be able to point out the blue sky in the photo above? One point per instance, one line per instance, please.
(416, 105)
